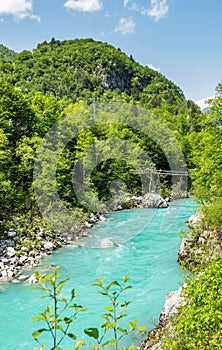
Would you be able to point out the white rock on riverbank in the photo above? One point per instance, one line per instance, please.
(172, 303)
(200, 245)
(13, 258)
(11, 262)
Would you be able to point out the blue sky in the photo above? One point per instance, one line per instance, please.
(181, 38)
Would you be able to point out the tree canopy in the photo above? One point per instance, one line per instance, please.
(6, 53)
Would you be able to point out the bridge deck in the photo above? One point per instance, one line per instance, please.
(161, 172)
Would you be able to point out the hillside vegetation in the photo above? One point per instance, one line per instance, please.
(6, 53)
(83, 68)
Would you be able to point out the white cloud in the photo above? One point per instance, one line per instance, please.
(19, 8)
(36, 18)
(158, 10)
(203, 103)
(126, 25)
(153, 67)
(125, 2)
(132, 6)
(84, 5)
(135, 7)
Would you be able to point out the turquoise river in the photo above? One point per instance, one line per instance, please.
(148, 241)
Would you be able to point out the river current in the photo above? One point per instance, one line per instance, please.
(147, 245)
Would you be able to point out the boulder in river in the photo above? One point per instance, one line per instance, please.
(153, 200)
(107, 243)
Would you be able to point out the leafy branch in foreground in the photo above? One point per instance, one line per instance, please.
(114, 313)
(57, 321)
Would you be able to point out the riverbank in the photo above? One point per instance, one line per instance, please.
(18, 252)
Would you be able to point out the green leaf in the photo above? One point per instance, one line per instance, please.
(123, 330)
(79, 344)
(141, 328)
(57, 270)
(37, 275)
(72, 336)
(92, 332)
(100, 282)
(68, 320)
(133, 324)
(125, 304)
(109, 308)
(61, 283)
(111, 342)
(37, 318)
(37, 333)
(48, 309)
(63, 300)
(108, 325)
(52, 281)
(58, 327)
(127, 287)
(125, 278)
(102, 293)
(111, 284)
(73, 293)
(83, 309)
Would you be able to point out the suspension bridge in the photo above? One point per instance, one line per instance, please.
(154, 171)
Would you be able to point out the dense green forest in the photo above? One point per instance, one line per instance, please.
(40, 88)
(82, 69)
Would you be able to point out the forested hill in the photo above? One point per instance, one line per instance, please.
(38, 88)
(84, 68)
(6, 53)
